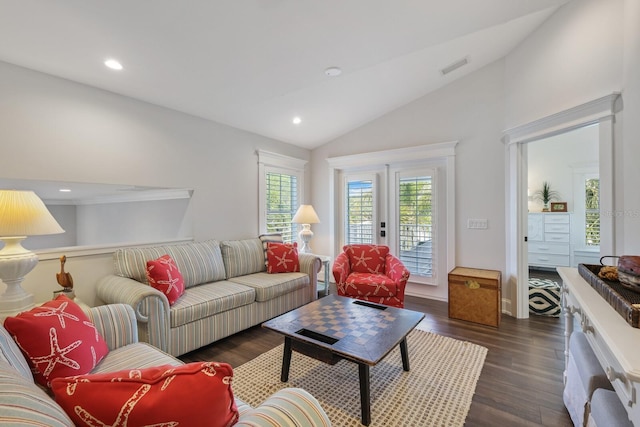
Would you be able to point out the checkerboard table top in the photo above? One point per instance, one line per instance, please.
(362, 331)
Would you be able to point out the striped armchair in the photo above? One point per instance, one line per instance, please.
(22, 402)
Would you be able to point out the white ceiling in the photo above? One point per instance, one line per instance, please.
(255, 64)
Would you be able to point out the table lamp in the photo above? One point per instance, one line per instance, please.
(306, 216)
(22, 214)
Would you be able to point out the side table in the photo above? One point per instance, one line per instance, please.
(326, 265)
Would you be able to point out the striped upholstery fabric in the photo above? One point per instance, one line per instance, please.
(209, 299)
(242, 257)
(116, 323)
(23, 403)
(198, 262)
(191, 336)
(11, 354)
(265, 239)
(134, 356)
(288, 407)
(268, 286)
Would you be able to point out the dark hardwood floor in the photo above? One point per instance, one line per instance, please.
(521, 381)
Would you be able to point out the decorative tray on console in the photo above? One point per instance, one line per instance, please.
(623, 300)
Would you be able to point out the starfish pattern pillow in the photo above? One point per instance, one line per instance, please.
(195, 394)
(57, 339)
(282, 257)
(367, 258)
(163, 275)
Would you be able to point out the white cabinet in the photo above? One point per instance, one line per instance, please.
(549, 238)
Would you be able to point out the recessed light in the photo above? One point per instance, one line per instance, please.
(65, 190)
(113, 64)
(297, 120)
(333, 71)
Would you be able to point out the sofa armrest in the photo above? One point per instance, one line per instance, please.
(287, 407)
(116, 323)
(311, 265)
(150, 306)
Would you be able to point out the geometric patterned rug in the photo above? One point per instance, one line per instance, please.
(436, 392)
(544, 297)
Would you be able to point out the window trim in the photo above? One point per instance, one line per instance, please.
(278, 163)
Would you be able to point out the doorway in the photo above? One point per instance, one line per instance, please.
(600, 111)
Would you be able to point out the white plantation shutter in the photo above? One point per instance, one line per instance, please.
(416, 224)
(281, 204)
(359, 224)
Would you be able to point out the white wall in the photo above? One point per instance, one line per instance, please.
(54, 129)
(469, 111)
(629, 175)
(574, 57)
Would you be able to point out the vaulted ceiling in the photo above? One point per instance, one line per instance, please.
(257, 64)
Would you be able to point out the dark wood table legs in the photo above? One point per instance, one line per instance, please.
(286, 360)
(365, 393)
(404, 352)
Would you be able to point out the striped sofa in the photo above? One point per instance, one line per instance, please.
(227, 289)
(22, 402)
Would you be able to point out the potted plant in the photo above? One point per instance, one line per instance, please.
(546, 195)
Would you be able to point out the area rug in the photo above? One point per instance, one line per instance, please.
(436, 392)
(544, 297)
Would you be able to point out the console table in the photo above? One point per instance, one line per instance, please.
(615, 343)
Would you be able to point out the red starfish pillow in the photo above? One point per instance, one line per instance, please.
(57, 339)
(282, 257)
(163, 274)
(367, 258)
(196, 394)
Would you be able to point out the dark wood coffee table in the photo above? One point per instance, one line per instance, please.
(334, 328)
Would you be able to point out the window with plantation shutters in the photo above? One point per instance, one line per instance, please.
(360, 212)
(415, 204)
(280, 184)
(282, 204)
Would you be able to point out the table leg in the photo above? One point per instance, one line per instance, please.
(365, 393)
(404, 352)
(286, 360)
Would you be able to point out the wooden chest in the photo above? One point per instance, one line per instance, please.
(475, 295)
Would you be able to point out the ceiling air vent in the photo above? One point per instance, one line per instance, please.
(460, 63)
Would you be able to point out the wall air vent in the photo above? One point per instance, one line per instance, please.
(460, 63)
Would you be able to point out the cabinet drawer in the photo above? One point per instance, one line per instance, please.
(556, 219)
(549, 260)
(556, 237)
(548, 248)
(557, 228)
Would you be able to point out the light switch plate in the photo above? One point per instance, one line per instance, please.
(478, 224)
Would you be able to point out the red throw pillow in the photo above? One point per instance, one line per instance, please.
(163, 274)
(57, 339)
(367, 258)
(282, 257)
(194, 394)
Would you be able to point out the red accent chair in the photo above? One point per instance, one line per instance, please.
(370, 273)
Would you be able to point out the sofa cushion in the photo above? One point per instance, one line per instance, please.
(366, 258)
(24, 403)
(265, 239)
(242, 257)
(197, 393)
(134, 356)
(10, 353)
(268, 286)
(198, 262)
(163, 275)
(282, 258)
(209, 299)
(58, 339)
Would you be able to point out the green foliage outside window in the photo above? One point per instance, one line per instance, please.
(592, 216)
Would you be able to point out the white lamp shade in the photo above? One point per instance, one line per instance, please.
(23, 213)
(306, 215)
